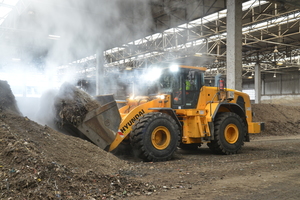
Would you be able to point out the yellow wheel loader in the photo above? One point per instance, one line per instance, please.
(184, 114)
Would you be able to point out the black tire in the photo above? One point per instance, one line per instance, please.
(229, 134)
(124, 148)
(189, 147)
(155, 137)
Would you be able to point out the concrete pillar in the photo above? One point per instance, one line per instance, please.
(257, 83)
(234, 44)
(100, 73)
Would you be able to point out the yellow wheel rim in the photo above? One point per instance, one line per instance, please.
(161, 137)
(231, 133)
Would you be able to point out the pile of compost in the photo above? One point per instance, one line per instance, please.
(72, 105)
(7, 99)
(37, 162)
(279, 119)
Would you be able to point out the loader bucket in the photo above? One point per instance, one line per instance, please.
(101, 124)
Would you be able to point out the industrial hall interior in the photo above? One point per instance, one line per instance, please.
(253, 46)
(149, 99)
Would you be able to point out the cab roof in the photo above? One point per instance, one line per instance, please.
(193, 67)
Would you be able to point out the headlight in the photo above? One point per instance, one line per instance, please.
(160, 97)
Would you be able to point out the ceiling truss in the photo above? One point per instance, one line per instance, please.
(270, 38)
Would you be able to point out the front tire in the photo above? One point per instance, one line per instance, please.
(229, 134)
(155, 137)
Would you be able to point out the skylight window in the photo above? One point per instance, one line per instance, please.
(6, 7)
(10, 2)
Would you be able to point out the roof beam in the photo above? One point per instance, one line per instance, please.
(6, 5)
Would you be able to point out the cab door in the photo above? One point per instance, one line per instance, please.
(186, 89)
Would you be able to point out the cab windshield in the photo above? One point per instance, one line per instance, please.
(183, 85)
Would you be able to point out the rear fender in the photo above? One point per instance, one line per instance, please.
(215, 108)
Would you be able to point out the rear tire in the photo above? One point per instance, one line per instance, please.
(155, 137)
(229, 134)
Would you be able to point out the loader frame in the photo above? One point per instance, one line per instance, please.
(196, 117)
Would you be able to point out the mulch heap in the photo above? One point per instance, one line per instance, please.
(72, 105)
(37, 162)
(7, 99)
(279, 119)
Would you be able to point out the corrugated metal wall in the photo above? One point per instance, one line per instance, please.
(282, 84)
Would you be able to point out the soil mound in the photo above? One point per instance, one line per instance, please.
(37, 162)
(279, 119)
(7, 99)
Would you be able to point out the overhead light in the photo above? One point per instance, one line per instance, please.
(53, 37)
(274, 75)
(16, 59)
(250, 77)
(275, 50)
(216, 60)
(174, 68)
(128, 68)
(252, 74)
(279, 63)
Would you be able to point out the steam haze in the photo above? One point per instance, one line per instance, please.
(87, 26)
(83, 26)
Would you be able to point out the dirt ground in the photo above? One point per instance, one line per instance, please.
(268, 168)
(37, 162)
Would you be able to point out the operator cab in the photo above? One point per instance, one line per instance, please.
(184, 86)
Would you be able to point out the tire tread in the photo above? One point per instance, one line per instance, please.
(136, 136)
(216, 145)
